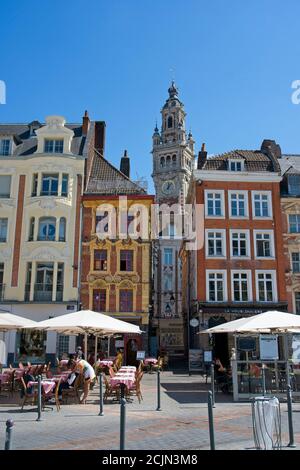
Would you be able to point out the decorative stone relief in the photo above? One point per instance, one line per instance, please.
(6, 254)
(7, 202)
(46, 254)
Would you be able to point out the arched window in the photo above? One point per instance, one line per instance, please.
(174, 160)
(62, 229)
(162, 162)
(168, 160)
(31, 229)
(47, 228)
(170, 122)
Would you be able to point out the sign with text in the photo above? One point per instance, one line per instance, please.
(140, 355)
(296, 349)
(268, 345)
(196, 359)
(207, 356)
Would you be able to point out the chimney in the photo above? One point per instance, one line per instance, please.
(100, 137)
(270, 148)
(85, 123)
(202, 155)
(125, 164)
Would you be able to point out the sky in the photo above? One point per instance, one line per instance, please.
(233, 61)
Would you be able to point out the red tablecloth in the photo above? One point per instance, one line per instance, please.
(48, 385)
(150, 360)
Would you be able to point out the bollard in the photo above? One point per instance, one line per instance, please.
(39, 409)
(101, 413)
(122, 422)
(212, 378)
(211, 421)
(158, 391)
(8, 434)
(290, 417)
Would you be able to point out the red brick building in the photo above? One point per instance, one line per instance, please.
(239, 269)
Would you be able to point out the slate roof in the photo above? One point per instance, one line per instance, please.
(105, 179)
(254, 161)
(290, 164)
(28, 145)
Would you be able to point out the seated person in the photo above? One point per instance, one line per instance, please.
(254, 370)
(222, 377)
(68, 384)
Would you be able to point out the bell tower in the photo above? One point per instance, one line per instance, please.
(173, 162)
(173, 151)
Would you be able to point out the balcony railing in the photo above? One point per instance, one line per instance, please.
(44, 292)
(2, 290)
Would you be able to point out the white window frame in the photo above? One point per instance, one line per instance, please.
(10, 187)
(269, 232)
(223, 238)
(236, 160)
(169, 253)
(5, 139)
(225, 292)
(7, 229)
(290, 222)
(245, 194)
(249, 284)
(274, 284)
(247, 233)
(262, 193)
(215, 191)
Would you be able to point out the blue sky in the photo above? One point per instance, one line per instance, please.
(234, 62)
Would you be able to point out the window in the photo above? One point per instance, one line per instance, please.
(44, 282)
(100, 260)
(296, 262)
(294, 185)
(168, 160)
(215, 243)
(240, 286)
(294, 222)
(297, 302)
(62, 229)
(162, 162)
(62, 345)
(216, 286)
(64, 185)
(54, 146)
(262, 205)
(239, 243)
(236, 165)
(126, 260)
(170, 122)
(214, 204)
(168, 281)
(28, 281)
(266, 286)
(50, 185)
(238, 204)
(126, 300)
(99, 300)
(4, 147)
(174, 159)
(35, 177)
(101, 225)
(264, 246)
(31, 229)
(168, 256)
(5, 182)
(3, 230)
(60, 282)
(47, 228)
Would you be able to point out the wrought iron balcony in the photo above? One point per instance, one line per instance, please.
(44, 292)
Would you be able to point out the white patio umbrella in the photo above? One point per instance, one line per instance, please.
(9, 321)
(267, 322)
(87, 322)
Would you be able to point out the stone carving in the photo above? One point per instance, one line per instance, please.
(5, 254)
(7, 202)
(46, 254)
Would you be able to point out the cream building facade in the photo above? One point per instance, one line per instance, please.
(41, 180)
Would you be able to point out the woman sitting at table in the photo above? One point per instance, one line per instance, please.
(69, 383)
(84, 368)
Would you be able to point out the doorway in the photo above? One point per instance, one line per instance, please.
(220, 341)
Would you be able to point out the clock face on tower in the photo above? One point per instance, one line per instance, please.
(168, 187)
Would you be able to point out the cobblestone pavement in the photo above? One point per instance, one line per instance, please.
(181, 425)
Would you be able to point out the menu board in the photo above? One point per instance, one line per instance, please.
(268, 345)
(196, 359)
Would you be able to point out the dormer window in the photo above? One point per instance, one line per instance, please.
(4, 147)
(54, 146)
(236, 165)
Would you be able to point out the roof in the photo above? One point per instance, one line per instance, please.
(254, 161)
(27, 144)
(105, 179)
(290, 164)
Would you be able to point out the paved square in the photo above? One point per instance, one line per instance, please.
(181, 425)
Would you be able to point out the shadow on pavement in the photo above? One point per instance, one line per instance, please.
(193, 393)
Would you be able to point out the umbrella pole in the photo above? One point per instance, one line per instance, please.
(108, 346)
(85, 347)
(96, 345)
